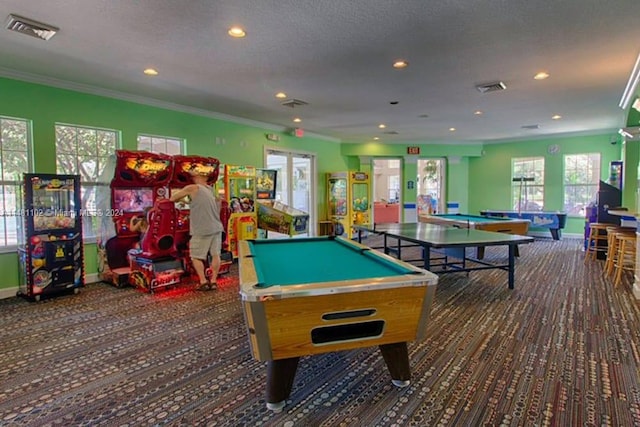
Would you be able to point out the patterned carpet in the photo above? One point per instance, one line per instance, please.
(561, 349)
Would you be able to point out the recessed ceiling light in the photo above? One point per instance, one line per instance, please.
(281, 95)
(375, 138)
(541, 75)
(151, 72)
(237, 32)
(382, 126)
(478, 113)
(452, 129)
(400, 63)
(556, 117)
(297, 119)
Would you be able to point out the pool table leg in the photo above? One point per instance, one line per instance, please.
(280, 375)
(555, 233)
(396, 356)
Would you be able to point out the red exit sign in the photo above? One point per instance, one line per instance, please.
(413, 150)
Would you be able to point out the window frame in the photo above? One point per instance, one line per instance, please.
(593, 185)
(157, 139)
(89, 214)
(11, 214)
(523, 188)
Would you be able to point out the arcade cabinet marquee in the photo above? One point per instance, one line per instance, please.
(141, 186)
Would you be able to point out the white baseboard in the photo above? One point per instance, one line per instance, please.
(11, 292)
(8, 292)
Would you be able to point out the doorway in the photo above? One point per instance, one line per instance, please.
(295, 182)
(387, 190)
(431, 184)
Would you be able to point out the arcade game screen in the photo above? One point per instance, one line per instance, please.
(132, 199)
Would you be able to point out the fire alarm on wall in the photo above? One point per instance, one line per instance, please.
(298, 133)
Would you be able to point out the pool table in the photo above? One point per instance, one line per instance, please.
(554, 221)
(500, 225)
(308, 296)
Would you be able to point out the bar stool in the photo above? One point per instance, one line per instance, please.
(612, 246)
(612, 249)
(626, 259)
(596, 241)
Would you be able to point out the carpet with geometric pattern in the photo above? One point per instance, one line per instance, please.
(561, 349)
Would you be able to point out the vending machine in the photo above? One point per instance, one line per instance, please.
(239, 190)
(348, 203)
(49, 235)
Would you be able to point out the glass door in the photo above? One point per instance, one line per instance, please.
(431, 184)
(295, 184)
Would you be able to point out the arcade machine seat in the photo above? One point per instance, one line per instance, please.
(157, 264)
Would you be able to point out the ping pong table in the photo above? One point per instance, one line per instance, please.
(447, 242)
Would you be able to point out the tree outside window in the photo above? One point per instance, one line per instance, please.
(527, 184)
(85, 151)
(581, 179)
(15, 159)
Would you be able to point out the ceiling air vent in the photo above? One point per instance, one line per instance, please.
(391, 132)
(294, 103)
(491, 87)
(531, 127)
(30, 27)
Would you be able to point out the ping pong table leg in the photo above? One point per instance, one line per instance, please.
(512, 265)
(426, 256)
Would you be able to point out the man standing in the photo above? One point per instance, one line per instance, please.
(205, 228)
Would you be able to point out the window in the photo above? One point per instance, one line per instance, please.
(15, 158)
(159, 144)
(393, 186)
(581, 179)
(527, 184)
(85, 151)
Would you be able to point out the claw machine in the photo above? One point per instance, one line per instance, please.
(348, 201)
(239, 190)
(50, 249)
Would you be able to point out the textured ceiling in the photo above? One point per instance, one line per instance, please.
(336, 55)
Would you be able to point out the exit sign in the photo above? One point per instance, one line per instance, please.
(413, 150)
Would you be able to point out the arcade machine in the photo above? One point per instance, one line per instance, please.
(348, 201)
(140, 182)
(239, 189)
(274, 215)
(50, 235)
(183, 167)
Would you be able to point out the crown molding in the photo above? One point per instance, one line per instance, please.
(93, 90)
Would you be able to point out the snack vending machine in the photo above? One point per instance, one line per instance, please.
(49, 232)
(239, 189)
(348, 201)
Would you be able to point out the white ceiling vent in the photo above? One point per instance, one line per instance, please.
(294, 103)
(30, 27)
(491, 87)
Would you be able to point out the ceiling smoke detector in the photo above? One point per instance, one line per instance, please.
(491, 87)
(294, 103)
(30, 27)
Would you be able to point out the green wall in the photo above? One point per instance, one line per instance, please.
(478, 176)
(205, 135)
(493, 171)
